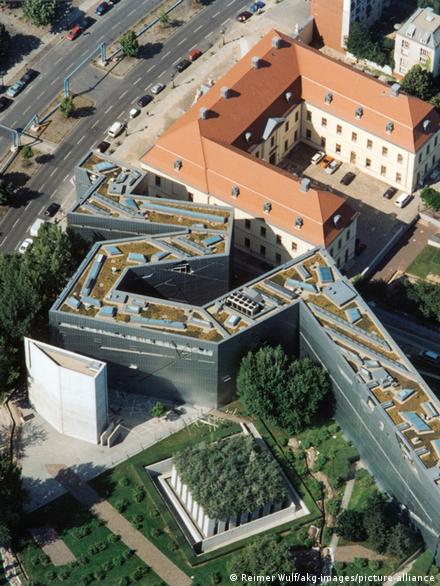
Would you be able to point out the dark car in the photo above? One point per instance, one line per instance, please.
(183, 64)
(102, 8)
(348, 178)
(244, 16)
(52, 209)
(29, 76)
(390, 192)
(144, 101)
(4, 103)
(103, 146)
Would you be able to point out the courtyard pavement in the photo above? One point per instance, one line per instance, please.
(41, 445)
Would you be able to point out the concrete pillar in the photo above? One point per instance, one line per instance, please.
(178, 486)
(208, 526)
(184, 493)
(276, 506)
(233, 521)
(173, 477)
(243, 518)
(221, 526)
(255, 514)
(266, 509)
(195, 510)
(200, 516)
(189, 502)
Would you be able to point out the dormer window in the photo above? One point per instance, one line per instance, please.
(299, 223)
(267, 207)
(328, 98)
(389, 127)
(359, 112)
(235, 191)
(177, 165)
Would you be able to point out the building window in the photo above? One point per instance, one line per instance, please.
(348, 235)
(338, 148)
(295, 136)
(272, 141)
(323, 121)
(398, 178)
(157, 181)
(352, 157)
(420, 157)
(427, 149)
(286, 145)
(247, 224)
(384, 151)
(308, 133)
(294, 246)
(435, 141)
(309, 116)
(405, 44)
(278, 258)
(354, 136)
(279, 239)
(346, 254)
(296, 116)
(247, 242)
(368, 162)
(263, 250)
(338, 129)
(286, 126)
(383, 170)
(399, 158)
(263, 231)
(323, 142)
(369, 144)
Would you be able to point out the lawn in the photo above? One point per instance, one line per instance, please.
(428, 261)
(424, 566)
(361, 566)
(364, 487)
(100, 556)
(129, 488)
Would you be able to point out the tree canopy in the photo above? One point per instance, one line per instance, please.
(362, 44)
(6, 191)
(39, 12)
(431, 198)
(350, 525)
(67, 106)
(233, 475)
(129, 44)
(286, 393)
(5, 39)
(12, 497)
(426, 297)
(419, 82)
(265, 556)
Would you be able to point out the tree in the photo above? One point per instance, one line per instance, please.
(361, 43)
(426, 297)
(418, 82)
(67, 106)
(164, 19)
(27, 152)
(129, 44)
(39, 12)
(12, 496)
(434, 4)
(400, 541)
(431, 198)
(264, 556)
(6, 191)
(350, 525)
(377, 521)
(5, 39)
(158, 409)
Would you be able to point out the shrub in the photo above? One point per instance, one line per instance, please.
(101, 546)
(27, 152)
(158, 409)
(83, 531)
(121, 505)
(138, 518)
(174, 546)
(216, 578)
(334, 506)
(120, 560)
(113, 538)
(140, 572)
(107, 566)
(64, 575)
(51, 576)
(156, 513)
(83, 560)
(128, 553)
(99, 575)
(36, 560)
(92, 549)
(156, 532)
(124, 581)
(124, 481)
(85, 580)
(374, 565)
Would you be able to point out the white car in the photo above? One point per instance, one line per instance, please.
(333, 166)
(317, 157)
(25, 245)
(157, 88)
(403, 200)
(134, 112)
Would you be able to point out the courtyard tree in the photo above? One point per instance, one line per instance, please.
(158, 409)
(26, 152)
(164, 19)
(67, 106)
(264, 556)
(400, 541)
(5, 40)
(361, 43)
(6, 191)
(431, 198)
(350, 525)
(376, 521)
(419, 82)
(12, 497)
(39, 12)
(426, 297)
(129, 44)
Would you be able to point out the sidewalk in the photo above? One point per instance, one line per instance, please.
(116, 523)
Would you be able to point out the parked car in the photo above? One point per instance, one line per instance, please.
(29, 76)
(103, 146)
(134, 112)
(244, 16)
(25, 245)
(390, 192)
(74, 32)
(144, 101)
(317, 157)
(194, 55)
(403, 200)
(333, 166)
(15, 89)
(325, 162)
(157, 88)
(4, 103)
(102, 8)
(256, 6)
(115, 129)
(348, 178)
(52, 209)
(183, 64)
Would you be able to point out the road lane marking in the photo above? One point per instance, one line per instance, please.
(160, 74)
(225, 21)
(53, 172)
(58, 60)
(213, 16)
(177, 60)
(42, 187)
(108, 109)
(181, 42)
(3, 241)
(81, 138)
(27, 109)
(39, 95)
(138, 80)
(53, 194)
(95, 124)
(132, 12)
(123, 94)
(201, 26)
(54, 81)
(67, 155)
(115, 26)
(15, 223)
(230, 3)
(147, 87)
(166, 55)
(41, 210)
(151, 68)
(66, 177)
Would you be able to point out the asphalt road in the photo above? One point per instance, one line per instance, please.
(113, 97)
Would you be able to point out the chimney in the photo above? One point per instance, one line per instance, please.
(395, 90)
(248, 136)
(276, 42)
(337, 220)
(203, 113)
(256, 62)
(224, 92)
(426, 125)
(304, 186)
(288, 96)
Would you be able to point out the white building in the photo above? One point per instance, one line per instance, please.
(418, 43)
(68, 390)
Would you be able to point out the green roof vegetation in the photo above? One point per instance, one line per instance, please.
(231, 476)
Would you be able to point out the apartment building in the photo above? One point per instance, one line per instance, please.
(333, 18)
(418, 43)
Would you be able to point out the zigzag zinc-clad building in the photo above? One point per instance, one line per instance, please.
(157, 308)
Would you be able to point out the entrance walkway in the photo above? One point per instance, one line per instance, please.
(116, 523)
